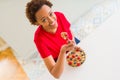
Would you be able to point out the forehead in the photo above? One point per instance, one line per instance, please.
(43, 11)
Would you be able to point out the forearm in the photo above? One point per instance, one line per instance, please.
(58, 68)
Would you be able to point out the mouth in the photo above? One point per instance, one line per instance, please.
(53, 23)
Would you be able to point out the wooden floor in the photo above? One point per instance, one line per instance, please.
(10, 69)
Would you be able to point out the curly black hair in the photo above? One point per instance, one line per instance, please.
(33, 6)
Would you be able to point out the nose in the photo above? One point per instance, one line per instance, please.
(51, 20)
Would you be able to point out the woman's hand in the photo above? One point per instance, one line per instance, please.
(67, 47)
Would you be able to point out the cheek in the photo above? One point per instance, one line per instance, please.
(38, 23)
(45, 24)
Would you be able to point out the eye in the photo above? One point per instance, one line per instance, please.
(51, 13)
(44, 20)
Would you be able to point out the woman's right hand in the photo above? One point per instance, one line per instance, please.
(67, 47)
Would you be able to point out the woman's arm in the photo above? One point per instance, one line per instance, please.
(56, 68)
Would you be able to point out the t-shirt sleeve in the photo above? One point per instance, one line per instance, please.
(42, 49)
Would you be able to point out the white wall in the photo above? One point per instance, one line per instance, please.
(14, 27)
(73, 9)
(17, 31)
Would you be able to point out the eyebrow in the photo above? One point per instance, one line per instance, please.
(48, 13)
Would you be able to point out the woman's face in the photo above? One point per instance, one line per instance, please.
(47, 19)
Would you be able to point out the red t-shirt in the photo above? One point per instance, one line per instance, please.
(50, 44)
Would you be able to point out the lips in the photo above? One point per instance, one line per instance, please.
(53, 23)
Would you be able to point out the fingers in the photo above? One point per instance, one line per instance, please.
(67, 47)
(70, 41)
(70, 45)
(77, 48)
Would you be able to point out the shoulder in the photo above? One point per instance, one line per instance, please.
(61, 17)
(59, 14)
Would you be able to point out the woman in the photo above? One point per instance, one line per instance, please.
(51, 46)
